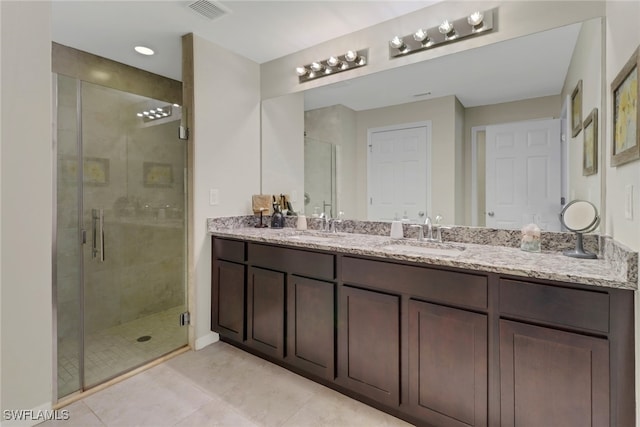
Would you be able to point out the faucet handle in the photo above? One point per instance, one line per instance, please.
(438, 219)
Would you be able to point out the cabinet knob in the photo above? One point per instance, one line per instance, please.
(490, 213)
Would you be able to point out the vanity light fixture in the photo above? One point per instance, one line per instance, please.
(448, 31)
(334, 64)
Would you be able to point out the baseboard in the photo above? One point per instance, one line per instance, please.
(30, 417)
(206, 340)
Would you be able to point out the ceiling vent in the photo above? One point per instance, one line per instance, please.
(208, 9)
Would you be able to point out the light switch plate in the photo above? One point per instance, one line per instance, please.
(214, 197)
(628, 202)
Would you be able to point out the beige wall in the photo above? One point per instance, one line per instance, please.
(226, 138)
(283, 147)
(586, 65)
(27, 207)
(441, 113)
(623, 37)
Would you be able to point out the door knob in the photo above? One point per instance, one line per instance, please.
(490, 213)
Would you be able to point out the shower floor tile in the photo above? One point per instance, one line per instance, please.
(117, 349)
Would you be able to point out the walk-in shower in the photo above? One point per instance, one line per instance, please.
(120, 231)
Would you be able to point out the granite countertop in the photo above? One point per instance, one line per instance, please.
(550, 265)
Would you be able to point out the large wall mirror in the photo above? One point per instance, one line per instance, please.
(481, 137)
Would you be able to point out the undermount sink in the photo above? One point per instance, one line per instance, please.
(431, 249)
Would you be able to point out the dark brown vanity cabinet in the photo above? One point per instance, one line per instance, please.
(369, 344)
(436, 346)
(266, 311)
(228, 289)
(311, 325)
(277, 301)
(552, 377)
(447, 365)
(559, 371)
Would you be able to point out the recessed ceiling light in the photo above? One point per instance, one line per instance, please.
(143, 50)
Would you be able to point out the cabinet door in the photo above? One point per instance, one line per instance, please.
(310, 325)
(552, 378)
(266, 311)
(369, 344)
(448, 365)
(228, 300)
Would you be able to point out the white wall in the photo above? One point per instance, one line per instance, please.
(226, 135)
(27, 207)
(283, 148)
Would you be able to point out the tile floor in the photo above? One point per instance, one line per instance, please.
(116, 349)
(220, 386)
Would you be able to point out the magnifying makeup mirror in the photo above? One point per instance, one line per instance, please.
(580, 217)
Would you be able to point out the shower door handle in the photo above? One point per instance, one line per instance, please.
(97, 220)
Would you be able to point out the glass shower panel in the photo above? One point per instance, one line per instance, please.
(68, 240)
(319, 177)
(133, 210)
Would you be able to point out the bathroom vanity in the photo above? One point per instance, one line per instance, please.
(441, 335)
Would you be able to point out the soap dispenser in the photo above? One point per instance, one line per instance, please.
(277, 219)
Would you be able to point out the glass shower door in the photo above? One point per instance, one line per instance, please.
(133, 214)
(120, 233)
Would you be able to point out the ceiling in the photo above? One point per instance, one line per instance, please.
(258, 30)
(269, 29)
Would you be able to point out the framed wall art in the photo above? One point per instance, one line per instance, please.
(96, 171)
(576, 109)
(624, 93)
(157, 174)
(590, 145)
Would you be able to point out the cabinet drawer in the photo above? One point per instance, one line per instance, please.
(574, 308)
(293, 261)
(230, 250)
(436, 285)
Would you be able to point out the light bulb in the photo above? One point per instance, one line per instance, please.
(475, 19)
(420, 35)
(301, 71)
(446, 27)
(333, 61)
(361, 61)
(351, 55)
(316, 66)
(140, 115)
(397, 43)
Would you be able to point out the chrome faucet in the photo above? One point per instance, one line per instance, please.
(429, 225)
(325, 221)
